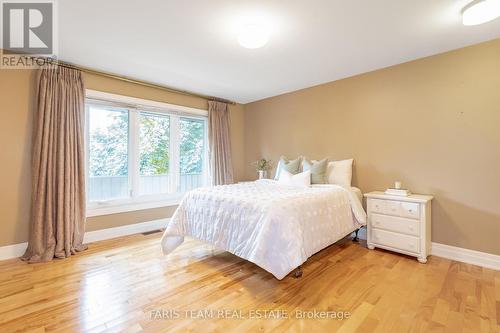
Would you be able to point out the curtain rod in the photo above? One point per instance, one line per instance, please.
(135, 81)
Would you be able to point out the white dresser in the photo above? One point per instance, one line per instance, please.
(400, 224)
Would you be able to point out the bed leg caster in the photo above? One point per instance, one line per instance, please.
(355, 238)
(298, 272)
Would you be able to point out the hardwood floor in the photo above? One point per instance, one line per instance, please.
(126, 284)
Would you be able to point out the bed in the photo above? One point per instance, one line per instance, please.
(275, 226)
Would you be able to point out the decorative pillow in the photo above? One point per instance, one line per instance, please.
(318, 170)
(302, 179)
(291, 166)
(340, 172)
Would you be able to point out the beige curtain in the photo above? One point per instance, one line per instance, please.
(58, 198)
(220, 145)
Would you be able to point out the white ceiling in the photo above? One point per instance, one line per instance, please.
(191, 44)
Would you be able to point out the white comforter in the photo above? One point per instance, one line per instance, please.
(272, 225)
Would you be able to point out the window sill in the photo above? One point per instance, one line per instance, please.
(108, 208)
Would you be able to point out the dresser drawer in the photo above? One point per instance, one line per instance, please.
(377, 206)
(395, 240)
(410, 210)
(392, 208)
(395, 208)
(397, 224)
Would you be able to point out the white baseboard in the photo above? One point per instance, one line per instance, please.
(17, 250)
(129, 229)
(12, 251)
(482, 259)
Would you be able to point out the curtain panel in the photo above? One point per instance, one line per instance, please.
(58, 167)
(220, 145)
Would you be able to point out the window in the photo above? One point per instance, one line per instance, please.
(107, 153)
(141, 156)
(191, 155)
(154, 154)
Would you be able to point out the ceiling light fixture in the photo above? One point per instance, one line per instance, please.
(481, 11)
(253, 36)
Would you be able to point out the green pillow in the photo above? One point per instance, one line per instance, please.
(291, 166)
(318, 170)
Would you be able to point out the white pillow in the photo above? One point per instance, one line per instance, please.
(302, 179)
(340, 172)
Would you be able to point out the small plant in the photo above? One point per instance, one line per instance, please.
(262, 164)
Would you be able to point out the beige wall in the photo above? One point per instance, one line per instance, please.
(433, 123)
(16, 107)
(16, 101)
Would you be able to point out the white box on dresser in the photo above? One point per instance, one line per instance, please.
(401, 224)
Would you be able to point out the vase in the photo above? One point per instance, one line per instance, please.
(262, 174)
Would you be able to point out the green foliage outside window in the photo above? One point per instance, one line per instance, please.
(192, 132)
(154, 144)
(109, 144)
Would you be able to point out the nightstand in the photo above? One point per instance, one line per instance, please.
(400, 224)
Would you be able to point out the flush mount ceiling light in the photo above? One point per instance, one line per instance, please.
(481, 11)
(253, 36)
